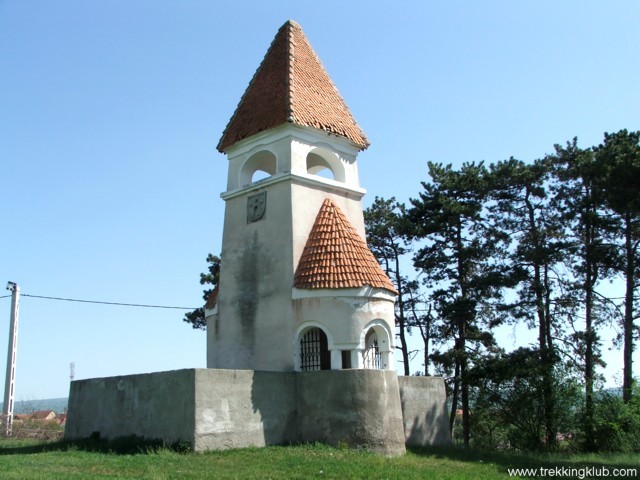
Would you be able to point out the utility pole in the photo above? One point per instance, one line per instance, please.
(11, 359)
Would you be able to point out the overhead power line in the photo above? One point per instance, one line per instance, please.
(107, 303)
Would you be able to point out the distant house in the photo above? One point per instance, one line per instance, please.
(61, 419)
(21, 417)
(43, 415)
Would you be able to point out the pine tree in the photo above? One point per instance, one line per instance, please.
(458, 264)
(618, 159)
(580, 199)
(522, 208)
(196, 317)
(384, 224)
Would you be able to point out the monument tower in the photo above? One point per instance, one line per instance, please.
(299, 288)
(300, 331)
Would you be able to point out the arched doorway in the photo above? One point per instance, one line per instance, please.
(314, 351)
(371, 357)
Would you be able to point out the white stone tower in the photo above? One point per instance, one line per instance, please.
(299, 289)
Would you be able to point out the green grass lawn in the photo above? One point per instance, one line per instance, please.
(20, 459)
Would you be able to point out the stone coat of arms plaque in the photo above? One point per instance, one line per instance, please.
(256, 206)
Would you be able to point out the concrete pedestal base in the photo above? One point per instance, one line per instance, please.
(221, 409)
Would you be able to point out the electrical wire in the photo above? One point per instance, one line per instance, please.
(5, 296)
(105, 303)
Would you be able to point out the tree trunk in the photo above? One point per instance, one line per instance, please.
(589, 364)
(466, 414)
(402, 321)
(546, 357)
(425, 333)
(630, 267)
(461, 354)
(454, 397)
(551, 409)
(426, 338)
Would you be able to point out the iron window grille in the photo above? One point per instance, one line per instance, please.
(314, 351)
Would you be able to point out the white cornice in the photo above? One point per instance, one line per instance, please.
(330, 186)
(312, 136)
(362, 292)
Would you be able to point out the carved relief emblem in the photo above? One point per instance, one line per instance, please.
(256, 206)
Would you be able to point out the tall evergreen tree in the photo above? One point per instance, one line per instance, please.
(581, 201)
(456, 261)
(384, 223)
(522, 208)
(618, 160)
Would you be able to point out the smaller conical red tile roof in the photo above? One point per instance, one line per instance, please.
(336, 256)
(212, 300)
(291, 86)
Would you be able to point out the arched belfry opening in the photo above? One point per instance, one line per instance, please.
(325, 163)
(257, 167)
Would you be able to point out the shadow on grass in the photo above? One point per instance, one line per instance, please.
(575, 466)
(132, 445)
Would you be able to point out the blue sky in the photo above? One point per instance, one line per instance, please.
(110, 112)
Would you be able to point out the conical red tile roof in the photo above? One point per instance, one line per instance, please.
(291, 86)
(336, 256)
(212, 300)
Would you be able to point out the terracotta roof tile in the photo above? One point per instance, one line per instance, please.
(291, 86)
(335, 255)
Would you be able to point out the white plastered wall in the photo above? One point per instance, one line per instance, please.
(257, 316)
(345, 320)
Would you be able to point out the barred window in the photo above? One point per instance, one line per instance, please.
(314, 351)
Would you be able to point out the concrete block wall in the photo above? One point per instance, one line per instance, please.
(222, 409)
(242, 408)
(156, 405)
(424, 411)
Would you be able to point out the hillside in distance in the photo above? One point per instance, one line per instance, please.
(58, 405)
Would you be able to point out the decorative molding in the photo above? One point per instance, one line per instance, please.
(362, 292)
(330, 186)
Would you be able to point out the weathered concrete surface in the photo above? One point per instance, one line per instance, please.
(220, 409)
(358, 407)
(209, 409)
(424, 411)
(157, 405)
(241, 408)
